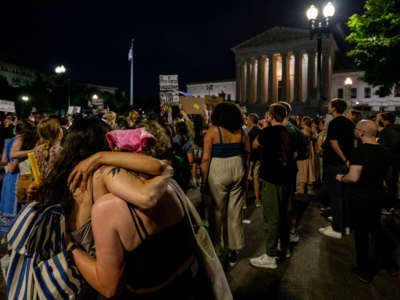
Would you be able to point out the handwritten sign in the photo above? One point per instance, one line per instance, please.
(192, 106)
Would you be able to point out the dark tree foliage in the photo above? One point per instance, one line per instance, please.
(376, 36)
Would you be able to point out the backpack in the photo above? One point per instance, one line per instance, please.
(303, 145)
(181, 166)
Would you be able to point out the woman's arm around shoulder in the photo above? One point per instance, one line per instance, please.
(127, 185)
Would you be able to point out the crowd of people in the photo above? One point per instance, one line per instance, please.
(110, 174)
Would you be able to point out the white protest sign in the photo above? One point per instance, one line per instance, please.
(169, 86)
(8, 106)
(74, 110)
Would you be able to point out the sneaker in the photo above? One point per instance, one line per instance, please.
(330, 218)
(329, 232)
(294, 237)
(244, 207)
(288, 253)
(258, 205)
(233, 258)
(264, 261)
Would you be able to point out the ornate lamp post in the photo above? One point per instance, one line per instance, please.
(319, 27)
(347, 96)
(61, 70)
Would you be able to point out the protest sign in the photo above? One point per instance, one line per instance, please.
(7, 106)
(74, 110)
(213, 100)
(192, 106)
(169, 86)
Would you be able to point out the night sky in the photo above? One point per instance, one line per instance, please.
(189, 38)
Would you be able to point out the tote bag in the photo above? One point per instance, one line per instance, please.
(209, 262)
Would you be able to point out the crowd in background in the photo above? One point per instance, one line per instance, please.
(349, 160)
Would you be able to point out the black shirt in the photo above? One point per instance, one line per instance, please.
(342, 130)
(277, 158)
(390, 138)
(253, 133)
(375, 161)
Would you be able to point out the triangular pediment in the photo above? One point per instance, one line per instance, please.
(275, 35)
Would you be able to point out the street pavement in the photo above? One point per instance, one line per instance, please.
(319, 268)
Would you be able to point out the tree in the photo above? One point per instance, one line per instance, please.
(376, 35)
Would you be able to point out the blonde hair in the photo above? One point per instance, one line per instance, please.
(49, 130)
(159, 149)
(133, 117)
(111, 118)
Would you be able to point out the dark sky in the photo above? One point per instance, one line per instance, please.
(189, 38)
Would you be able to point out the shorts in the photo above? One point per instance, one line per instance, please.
(254, 170)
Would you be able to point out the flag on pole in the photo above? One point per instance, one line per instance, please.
(130, 54)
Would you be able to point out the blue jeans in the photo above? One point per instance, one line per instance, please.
(340, 211)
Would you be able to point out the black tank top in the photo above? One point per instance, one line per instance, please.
(159, 255)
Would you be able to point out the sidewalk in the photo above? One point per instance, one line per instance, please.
(319, 268)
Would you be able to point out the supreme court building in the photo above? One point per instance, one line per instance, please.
(281, 64)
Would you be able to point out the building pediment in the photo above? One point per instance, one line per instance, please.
(283, 39)
(275, 35)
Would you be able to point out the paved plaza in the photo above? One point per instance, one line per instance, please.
(318, 269)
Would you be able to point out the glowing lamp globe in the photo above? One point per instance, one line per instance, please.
(312, 13)
(329, 10)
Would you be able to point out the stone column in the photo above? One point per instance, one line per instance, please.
(297, 79)
(238, 81)
(268, 95)
(284, 77)
(248, 80)
(271, 79)
(260, 80)
(254, 67)
(311, 75)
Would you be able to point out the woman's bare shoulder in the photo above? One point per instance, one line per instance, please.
(109, 206)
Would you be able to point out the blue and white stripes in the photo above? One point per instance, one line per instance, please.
(38, 266)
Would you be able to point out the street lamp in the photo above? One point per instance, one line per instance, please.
(61, 70)
(95, 97)
(25, 98)
(319, 27)
(347, 95)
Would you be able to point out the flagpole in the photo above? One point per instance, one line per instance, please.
(132, 85)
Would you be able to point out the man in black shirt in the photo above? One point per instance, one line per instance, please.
(337, 149)
(278, 167)
(390, 138)
(369, 167)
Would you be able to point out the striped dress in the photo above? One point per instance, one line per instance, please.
(39, 267)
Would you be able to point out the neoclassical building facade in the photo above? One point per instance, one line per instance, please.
(281, 64)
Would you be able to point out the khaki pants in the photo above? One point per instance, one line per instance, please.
(225, 180)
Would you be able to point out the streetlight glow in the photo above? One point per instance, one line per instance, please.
(60, 69)
(329, 10)
(95, 97)
(348, 81)
(312, 13)
(25, 98)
